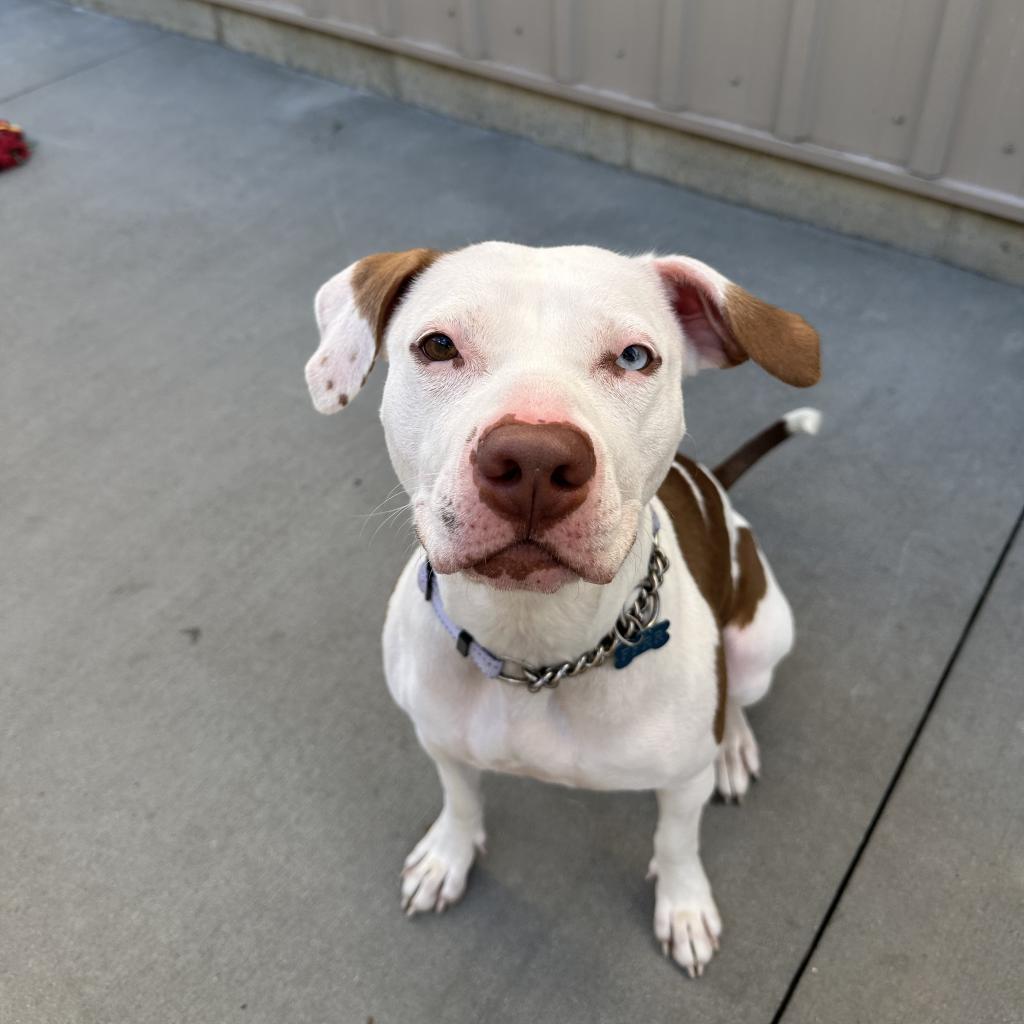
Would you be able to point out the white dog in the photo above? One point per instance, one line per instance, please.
(532, 411)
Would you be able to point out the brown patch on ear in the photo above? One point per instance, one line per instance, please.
(380, 281)
(782, 343)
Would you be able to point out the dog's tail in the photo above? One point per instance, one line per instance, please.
(799, 421)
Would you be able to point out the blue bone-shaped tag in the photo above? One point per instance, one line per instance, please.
(648, 640)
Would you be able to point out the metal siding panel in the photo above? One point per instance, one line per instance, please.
(520, 35)
(434, 22)
(471, 30)
(386, 14)
(674, 54)
(736, 65)
(916, 40)
(858, 49)
(620, 46)
(797, 92)
(950, 64)
(567, 56)
(987, 143)
(353, 12)
(860, 76)
(348, 12)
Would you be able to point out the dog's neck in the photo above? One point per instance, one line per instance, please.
(544, 628)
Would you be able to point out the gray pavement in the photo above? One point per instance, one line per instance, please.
(932, 928)
(207, 793)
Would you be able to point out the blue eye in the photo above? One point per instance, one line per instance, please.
(634, 357)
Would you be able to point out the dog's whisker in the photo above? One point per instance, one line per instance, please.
(390, 519)
(384, 511)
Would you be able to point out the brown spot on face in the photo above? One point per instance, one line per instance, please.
(323, 360)
(343, 399)
(329, 385)
(380, 281)
(449, 520)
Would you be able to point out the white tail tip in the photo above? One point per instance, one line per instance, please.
(803, 421)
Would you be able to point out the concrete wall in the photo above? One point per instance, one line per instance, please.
(426, 73)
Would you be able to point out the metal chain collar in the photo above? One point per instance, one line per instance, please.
(635, 617)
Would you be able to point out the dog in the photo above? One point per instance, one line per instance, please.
(586, 607)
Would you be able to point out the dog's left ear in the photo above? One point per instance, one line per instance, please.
(352, 311)
(724, 325)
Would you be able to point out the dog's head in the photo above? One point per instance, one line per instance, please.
(533, 404)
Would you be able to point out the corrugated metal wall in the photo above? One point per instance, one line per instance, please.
(926, 95)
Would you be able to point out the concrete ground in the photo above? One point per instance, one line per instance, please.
(206, 791)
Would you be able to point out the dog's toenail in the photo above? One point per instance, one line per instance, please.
(342, 399)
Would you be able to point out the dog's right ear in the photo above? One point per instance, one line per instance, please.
(724, 325)
(352, 311)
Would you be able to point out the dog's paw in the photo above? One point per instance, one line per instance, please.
(435, 872)
(738, 762)
(687, 924)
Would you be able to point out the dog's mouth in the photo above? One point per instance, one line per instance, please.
(524, 565)
(518, 560)
(522, 560)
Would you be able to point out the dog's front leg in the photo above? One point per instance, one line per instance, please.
(435, 872)
(686, 919)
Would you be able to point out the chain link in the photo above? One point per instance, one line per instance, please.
(640, 613)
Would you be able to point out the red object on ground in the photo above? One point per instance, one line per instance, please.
(14, 150)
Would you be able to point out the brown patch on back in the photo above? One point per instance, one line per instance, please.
(704, 540)
(782, 343)
(380, 281)
(752, 584)
(722, 679)
(703, 536)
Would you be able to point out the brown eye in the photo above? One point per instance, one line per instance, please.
(438, 348)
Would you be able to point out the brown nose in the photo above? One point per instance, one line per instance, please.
(534, 474)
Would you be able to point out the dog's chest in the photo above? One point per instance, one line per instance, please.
(604, 737)
(635, 728)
